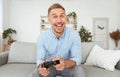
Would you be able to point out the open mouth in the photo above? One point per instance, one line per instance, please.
(59, 26)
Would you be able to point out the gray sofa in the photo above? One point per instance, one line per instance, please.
(20, 62)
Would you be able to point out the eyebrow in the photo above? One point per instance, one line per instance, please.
(61, 13)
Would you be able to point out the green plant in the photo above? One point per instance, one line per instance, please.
(85, 35)
(74, 16)
(8, 34)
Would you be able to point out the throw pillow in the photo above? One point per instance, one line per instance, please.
(106, 59)
(22, 52)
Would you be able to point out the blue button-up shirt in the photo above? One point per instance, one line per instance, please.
(68, 46)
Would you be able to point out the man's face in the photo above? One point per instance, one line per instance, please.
(57, 19)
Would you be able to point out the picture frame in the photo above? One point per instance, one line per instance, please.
(44, 23)
(44, 19)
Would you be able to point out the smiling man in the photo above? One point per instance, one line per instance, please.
(57, 19)
(58, 43)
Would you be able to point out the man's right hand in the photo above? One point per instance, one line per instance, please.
(43, 71)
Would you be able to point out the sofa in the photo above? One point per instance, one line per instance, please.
(20, 61)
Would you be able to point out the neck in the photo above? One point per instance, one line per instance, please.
(58, 34)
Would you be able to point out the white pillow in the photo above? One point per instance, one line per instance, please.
(106, 59)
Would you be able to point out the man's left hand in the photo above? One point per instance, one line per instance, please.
(62, 64)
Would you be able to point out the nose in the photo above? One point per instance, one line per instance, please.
(58, 19)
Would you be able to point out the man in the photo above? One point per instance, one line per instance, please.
(58, 43)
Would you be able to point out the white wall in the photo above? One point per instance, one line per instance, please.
(25, 15)
(6, 13)
(119, 13)
(0, 25)
(0, 14)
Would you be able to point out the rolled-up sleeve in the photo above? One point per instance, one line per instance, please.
(76, 49)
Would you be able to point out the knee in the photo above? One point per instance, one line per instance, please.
(79, 72)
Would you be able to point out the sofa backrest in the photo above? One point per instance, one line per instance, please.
(25, 52)
(22, 52)
(86, 48)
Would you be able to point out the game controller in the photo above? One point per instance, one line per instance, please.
(50, 63)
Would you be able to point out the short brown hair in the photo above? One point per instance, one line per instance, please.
(54, 6)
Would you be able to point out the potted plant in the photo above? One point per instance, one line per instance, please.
(115, 35)
(74, 16)
(8, 34)
(85, 35)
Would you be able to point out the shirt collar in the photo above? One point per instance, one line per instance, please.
(61, 35)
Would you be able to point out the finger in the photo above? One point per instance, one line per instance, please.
(45, 73)
(57, 66)
(55, 58)
(62, 60)
(42, 62)
(41, 70)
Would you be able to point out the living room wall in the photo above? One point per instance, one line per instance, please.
(119, 13)
(0, 14)
(24, 15)
(6, 13)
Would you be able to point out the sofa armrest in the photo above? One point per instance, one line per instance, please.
(118, 65)
(3, 58)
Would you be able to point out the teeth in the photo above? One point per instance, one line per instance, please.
(58, 25)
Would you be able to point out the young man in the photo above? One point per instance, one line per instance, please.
(58, 43)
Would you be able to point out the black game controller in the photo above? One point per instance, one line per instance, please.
(50, 63)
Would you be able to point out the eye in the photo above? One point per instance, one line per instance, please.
(62, 16)
(54, 17)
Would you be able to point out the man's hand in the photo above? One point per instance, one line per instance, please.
(63, 63)
(60, 66)
(43, 71)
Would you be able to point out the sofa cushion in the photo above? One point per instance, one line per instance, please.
(92, 71)
(22, 52)
(106, 59)
(118, 65)
(86, 48)
(16, 70)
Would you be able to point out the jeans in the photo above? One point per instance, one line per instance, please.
(69, 72)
